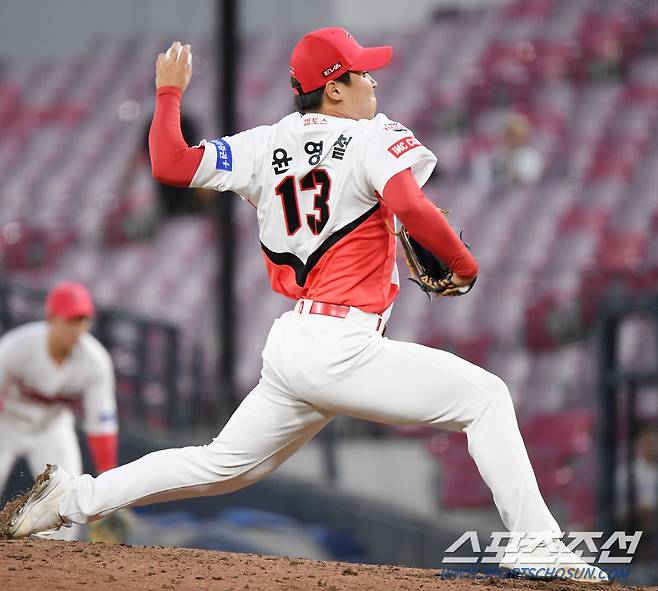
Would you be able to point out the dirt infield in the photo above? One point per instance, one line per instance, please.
(35, 565)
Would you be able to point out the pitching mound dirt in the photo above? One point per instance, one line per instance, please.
(34, 565)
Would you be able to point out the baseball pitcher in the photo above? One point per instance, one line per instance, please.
(46, 368)
(326, 182)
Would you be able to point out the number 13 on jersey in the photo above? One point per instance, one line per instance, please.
(317, 180)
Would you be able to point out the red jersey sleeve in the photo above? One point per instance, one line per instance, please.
(173, 162)
(427, 224)
(104, 451)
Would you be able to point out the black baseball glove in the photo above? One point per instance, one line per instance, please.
(429, 273)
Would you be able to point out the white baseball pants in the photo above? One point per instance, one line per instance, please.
(57, 443)
(314, 368)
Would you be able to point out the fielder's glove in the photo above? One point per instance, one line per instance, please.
(429, 273)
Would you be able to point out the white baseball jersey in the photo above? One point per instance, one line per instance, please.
(34, 390)
(316, 183)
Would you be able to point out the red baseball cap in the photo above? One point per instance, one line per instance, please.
(328, 53)
(69, 300)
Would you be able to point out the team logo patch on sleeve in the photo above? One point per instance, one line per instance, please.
(224, 155)
(395, 126)
(403, 146)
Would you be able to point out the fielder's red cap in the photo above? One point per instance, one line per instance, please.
(69, 300)
(328, 53)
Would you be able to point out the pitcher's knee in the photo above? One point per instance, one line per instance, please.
(222, 464)
(499, 387)
(495, 391)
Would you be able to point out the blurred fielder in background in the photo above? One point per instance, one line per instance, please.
(46, 369)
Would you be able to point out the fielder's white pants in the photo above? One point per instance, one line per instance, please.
(56, 443)
(314, 368)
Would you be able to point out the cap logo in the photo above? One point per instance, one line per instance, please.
(332, 69)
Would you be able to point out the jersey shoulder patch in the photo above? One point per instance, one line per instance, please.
(403, 145)
(224, 154)
(395, 127)
(397, 138)
(381, 123)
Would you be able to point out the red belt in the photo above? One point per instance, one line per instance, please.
(334, 310)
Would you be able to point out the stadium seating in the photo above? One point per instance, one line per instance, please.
(586, 75)
(556, 443)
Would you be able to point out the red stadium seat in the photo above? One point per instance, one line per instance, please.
(555, 441)
(461, 486)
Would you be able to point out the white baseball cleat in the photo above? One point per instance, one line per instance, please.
(40, 511)
(550, 560)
